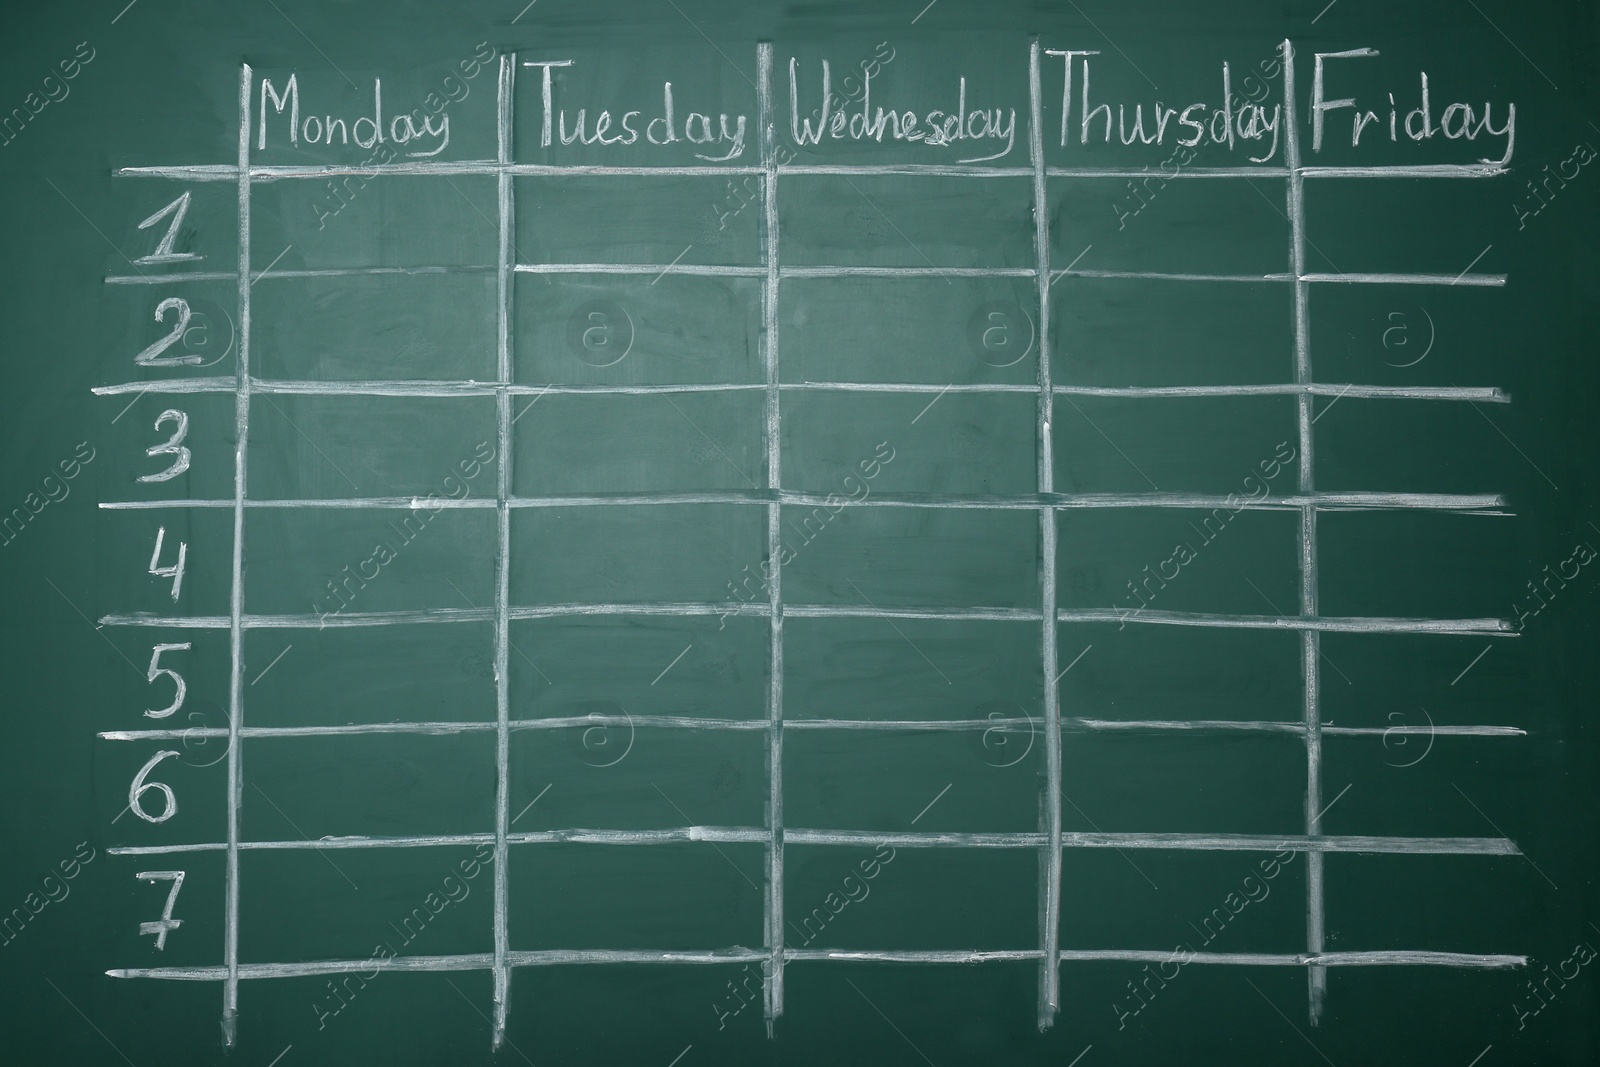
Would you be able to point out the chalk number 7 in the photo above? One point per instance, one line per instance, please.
(162, 926)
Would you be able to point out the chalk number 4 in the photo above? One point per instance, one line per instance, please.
(174, 571)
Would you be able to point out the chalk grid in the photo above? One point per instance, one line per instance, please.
(1051, 840)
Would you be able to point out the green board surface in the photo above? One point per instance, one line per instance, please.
(694, 532)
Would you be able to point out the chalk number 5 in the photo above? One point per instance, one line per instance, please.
(156, 671)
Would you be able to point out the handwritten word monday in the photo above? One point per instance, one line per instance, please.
(968, 122)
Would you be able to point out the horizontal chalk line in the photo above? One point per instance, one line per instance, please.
(266, 173)
(1302, 622)
(738, 271)
(563, 957)
(1177, 842)
(759, 609)
(1390, 958)
(285, 273)
(729, 270)
(1346, 279)
(448, 388)
(1493, 280)
(1335, 501)
(683, 722)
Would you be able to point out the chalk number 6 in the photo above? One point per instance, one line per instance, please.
(139, 787)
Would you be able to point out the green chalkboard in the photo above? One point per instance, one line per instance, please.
(704, 532)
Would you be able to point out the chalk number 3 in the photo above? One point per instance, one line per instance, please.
(173, 447)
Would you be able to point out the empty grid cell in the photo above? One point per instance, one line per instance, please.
(858, 444)
(346, 446)
(922, 781)
(1129, 673)
(298, 789)
(1243, 445)
(1141, 562)
(632, 554)
(387, 220)
(377, 674)
(691, 896)
(1416, 446)
(1449, 903)
(1418, 573)
(1428, 785)
(1383, 681)
(345, 561)
(665, 1000)
(676, 223)
(429, 326)
(918, 669)
(639, 444)
(1384, 998)
(1119, 332)
(357, 903)
(870, 558)
(956, 1007)
(1392, 212)
(636, 330)
(1172, 900)
(1185, 784)
(829, 903)
(423, 1015)
(1197, 993)
(1408, 335)
(936, 331)
(644, 666)
(620, 773)
(924, 223)
(1188, 227)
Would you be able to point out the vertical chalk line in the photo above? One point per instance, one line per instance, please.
(773, 984)
(1310, 640)
(1050, 857)
(502, 578)
(241, 414)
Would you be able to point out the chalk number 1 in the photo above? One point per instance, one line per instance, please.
(164, 253)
